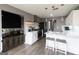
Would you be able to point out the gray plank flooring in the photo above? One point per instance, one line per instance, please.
(36, 49)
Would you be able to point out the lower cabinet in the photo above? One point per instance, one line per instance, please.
(16, 40)
(7, 44)
(22, 39)
(11, 42)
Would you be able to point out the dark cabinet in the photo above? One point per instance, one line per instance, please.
(16, 40)
(7, 44)
(22, 40)
(12, 41)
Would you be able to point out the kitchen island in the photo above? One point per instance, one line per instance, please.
(72, 41)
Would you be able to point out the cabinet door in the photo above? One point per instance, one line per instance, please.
(76, 18)
(16, 38)
(5, 45)
(10, 42)
(69, 19)
(22, 40)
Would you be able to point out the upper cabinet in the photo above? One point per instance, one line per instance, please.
(69, 19)
(76, 18)
(73, 18)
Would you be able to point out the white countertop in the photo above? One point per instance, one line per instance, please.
(56, 34)
(66, 34)
(72, 39)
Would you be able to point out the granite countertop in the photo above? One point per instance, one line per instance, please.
(66, 35)
(52, 32)
(9, 34)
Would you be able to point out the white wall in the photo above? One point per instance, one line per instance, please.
(0, 33)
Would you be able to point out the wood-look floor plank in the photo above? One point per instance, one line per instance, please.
(36, 49)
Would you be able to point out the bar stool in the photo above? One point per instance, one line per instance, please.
(48, 43)
(58, 43)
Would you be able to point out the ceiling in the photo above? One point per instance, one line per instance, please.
(45, 10)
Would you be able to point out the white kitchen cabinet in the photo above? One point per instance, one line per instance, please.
(76, 18)
(31, 37)
(69, 19)
(73, 40)
(73, 18)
